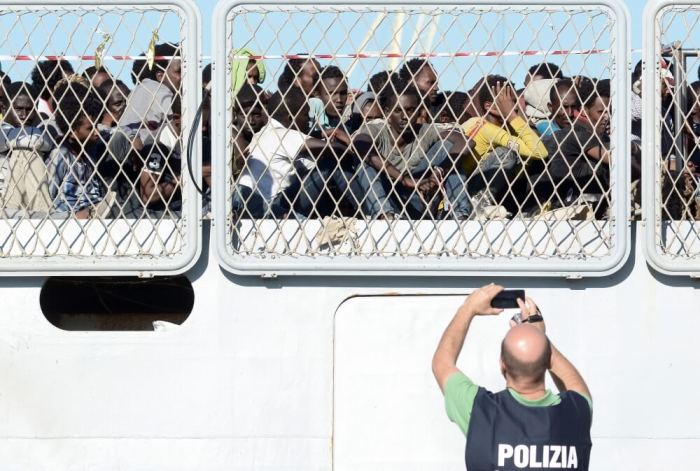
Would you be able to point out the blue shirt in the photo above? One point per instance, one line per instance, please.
(73, 181)
(546, 128)
(26, 137)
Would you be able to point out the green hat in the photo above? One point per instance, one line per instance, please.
(239, 68)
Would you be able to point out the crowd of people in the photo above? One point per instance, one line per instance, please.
(86, 145)
(403, 148)
(679, 126)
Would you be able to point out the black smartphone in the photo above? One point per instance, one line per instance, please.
(507, 299)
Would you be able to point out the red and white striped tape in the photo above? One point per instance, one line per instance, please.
(399, 55)
(78, 58)
(359, 55)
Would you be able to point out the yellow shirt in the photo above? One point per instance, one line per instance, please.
(487, 136)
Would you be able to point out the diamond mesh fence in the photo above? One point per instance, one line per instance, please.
(95, 104)
(672, 71)
(437, 138)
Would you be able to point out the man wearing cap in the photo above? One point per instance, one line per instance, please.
(524, 426)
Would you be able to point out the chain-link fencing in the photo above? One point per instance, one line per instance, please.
(406, 138)
(671, 100)
(96, 102)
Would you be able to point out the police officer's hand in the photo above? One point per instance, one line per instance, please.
(529, 308)
(479, 302)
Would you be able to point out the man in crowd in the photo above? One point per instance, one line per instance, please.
(580, 155)
(453, 108)
(249, 116)
(332, 96)
(378, 81)
(420, 74)
(415, 161)
(115, 96)
(525, 426)
(44, 77)
(545, 70)
(23, 146)
(74, 185)
(97, 76)
(564, 106)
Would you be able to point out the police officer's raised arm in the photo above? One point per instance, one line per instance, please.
(565, 375)
(445, 358)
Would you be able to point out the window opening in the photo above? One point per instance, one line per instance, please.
(116, 304)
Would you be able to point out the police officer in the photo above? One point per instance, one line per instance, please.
(524, 426)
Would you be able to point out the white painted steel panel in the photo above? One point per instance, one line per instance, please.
(247, 382)
(630, 341)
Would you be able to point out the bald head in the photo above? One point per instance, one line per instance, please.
(526, 353)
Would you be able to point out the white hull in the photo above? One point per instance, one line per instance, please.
(333, 373)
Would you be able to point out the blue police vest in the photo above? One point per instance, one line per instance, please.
(505, 435)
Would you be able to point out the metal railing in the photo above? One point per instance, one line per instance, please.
(671, 94)
(479, 178)
(93, 168)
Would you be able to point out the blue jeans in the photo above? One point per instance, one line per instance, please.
(454, 184)
(351, 178)
(495, 171)
(250, 204)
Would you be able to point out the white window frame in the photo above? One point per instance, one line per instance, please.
(273, 265)
(190, 245)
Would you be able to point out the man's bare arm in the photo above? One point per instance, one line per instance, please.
(461, 146)
(366, 150)
(452, 341)
(317, 148)
(599, 153)
(564, 374)
(445, 358)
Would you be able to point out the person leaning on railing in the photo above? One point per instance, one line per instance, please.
(580, 160)
(524, 426)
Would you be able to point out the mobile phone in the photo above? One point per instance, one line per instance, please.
(507, 299)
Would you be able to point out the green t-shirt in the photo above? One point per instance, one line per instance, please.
(460, 393)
